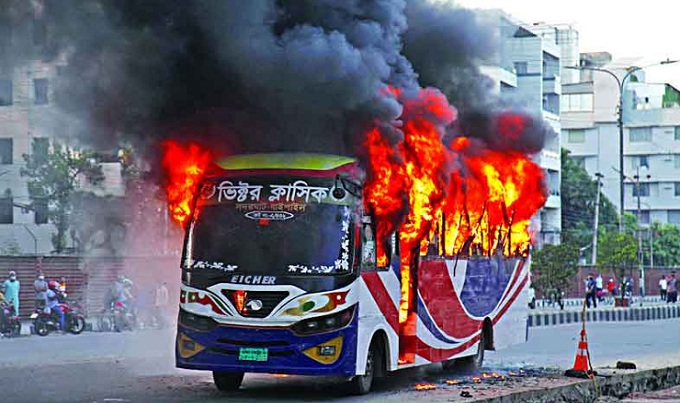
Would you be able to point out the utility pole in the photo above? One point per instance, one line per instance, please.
(596, 218)
(651, 248)
(641, 255)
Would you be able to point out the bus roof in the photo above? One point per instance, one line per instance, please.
(296, 161)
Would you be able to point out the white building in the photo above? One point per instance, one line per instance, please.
(651, 136)
(527, 74)
(29, 122)
(26, 115)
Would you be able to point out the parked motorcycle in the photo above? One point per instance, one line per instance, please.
(10, 325)
(45, 321)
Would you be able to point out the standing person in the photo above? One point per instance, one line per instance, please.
(11, 290)
(591, 292)
(663, 288)
(672, 289)
(161, 297)
(611, 289)
(40, 287)
(599, 285)
(62, 285)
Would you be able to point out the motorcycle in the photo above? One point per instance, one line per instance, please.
(10, 325)
(123, 318)
(47, 320)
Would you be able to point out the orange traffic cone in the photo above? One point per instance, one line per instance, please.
(582, 367)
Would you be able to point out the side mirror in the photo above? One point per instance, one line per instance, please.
(339, 193)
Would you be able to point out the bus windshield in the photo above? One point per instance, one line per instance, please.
(268, 238)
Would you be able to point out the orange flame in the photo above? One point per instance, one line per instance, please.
(183, 166)
(425, 386)
(485, 204)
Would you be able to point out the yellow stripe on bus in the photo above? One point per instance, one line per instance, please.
(314, 162)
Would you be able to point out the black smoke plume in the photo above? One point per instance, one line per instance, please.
(257, 75)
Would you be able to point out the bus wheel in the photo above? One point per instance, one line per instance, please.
(470, 364)
(474, 362)
(227, 381)
(362, 384)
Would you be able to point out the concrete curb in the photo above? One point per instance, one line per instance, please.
(639, 313)
(615, 385)
(578, 302)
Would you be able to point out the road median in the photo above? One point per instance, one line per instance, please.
(608, 314)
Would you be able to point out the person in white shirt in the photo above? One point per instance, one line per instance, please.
(663, 288)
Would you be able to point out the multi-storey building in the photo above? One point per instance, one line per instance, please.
(651, 136)
(27, 119)
(527, 74)
(30, 122)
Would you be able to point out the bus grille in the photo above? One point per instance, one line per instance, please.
(268, 299)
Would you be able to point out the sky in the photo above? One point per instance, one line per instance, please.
(646, 29)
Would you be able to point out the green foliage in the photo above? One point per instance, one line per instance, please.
(555, 267)
(579, 192)
(54, 175)
(617, 251)
(666, 238)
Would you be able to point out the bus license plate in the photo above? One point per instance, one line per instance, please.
(253, 354)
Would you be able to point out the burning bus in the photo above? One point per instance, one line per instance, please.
(318, 264)
(290, 267)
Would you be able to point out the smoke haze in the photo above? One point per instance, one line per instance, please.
(265, 75)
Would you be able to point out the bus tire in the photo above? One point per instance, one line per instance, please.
(227, 381)
(473, 363)
(375, 361)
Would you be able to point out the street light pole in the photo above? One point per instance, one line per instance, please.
(641, 266)
(596, 218)
(620, 85)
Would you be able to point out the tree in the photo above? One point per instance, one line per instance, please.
(555, 267)
(617, 251)
(666, 245)
(578, 193)
(54, 178)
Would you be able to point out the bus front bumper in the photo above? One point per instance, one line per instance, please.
(268, 350)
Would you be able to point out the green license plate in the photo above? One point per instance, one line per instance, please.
(253, 354)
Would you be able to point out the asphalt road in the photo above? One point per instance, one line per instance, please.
(138, 367)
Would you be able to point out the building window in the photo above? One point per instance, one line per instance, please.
(677, 133)
(39, 32)
(6, 208)
(6, 151)
(642, 216)
(40, 86)
(677, 188)
(6, 93)
(576, 136)
(639, 134)
(40, 209)
(577, 102)
(674, 217)
(580, 161)
(642, 189)
(640, 161)
(40, 149)
(521, 68)
(551, 103)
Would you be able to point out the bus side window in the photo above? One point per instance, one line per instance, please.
(368, 258)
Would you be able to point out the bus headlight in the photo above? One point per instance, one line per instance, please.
(196, 322)
(324, 323)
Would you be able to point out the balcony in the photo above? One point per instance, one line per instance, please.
(548, 160)
(552, 85)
